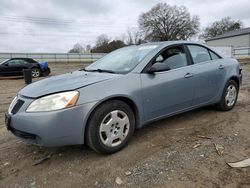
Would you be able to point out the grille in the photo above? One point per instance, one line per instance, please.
(17, 106)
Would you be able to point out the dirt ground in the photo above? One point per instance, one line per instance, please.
(167, 153)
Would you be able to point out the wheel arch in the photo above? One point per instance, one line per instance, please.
(35, 66)
(124, 99)
(236, 79)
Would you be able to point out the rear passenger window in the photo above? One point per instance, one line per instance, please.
(214, 56)
(199, 53)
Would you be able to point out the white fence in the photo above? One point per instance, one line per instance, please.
(54, 57)
(229, 51)
(241, 52)
(225, 51)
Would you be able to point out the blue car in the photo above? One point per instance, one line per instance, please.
(104, 103)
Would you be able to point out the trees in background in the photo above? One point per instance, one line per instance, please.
(162, 22)
(165, 22)
(220, 27)
(134, 36)
(105, 45)
(77, 48)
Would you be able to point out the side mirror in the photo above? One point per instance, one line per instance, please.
(6, 64)
(158, 67)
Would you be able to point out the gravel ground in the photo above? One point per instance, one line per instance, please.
(174, 152)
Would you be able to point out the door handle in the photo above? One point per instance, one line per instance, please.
(188, 75)
(221, 67)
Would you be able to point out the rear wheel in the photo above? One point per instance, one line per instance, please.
(35, 72)
(229, 96)
(110, 127)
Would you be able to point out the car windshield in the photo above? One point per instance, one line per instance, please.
(4, 61)
(121, 61)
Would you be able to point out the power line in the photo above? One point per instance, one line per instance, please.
(98, 27)
(52, 35)
(59, 21)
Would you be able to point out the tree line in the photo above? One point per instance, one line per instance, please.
(163, 22)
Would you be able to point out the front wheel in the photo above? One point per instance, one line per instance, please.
(35, 72)
(229, 96)
(110, 127)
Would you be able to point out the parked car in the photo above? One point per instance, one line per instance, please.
(104, 103)
(15, 66)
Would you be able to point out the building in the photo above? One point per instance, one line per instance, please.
(235, 39)
(238, 42)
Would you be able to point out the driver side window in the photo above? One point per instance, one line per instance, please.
(174, 57)
(13, 62)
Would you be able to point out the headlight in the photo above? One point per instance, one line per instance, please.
(54, 102)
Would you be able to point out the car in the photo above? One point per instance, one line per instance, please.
(15, 67)
(102, 104)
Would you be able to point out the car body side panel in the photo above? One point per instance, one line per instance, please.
(208, 80)
(128, 86)
(4, 70)
(167, 92)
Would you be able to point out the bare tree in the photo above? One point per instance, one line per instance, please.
(77, 48)
(165, 22)
(88, 48)
(104, 45)
(133, 36)
(220, 27)
(102, 40)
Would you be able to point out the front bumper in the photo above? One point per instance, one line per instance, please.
(240, 76)
(49, 129)
(46, 72)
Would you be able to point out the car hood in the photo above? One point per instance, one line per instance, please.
(65, 82)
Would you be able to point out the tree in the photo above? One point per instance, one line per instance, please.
(77, 48)
(88, 48)
(133, 36)
(220, 27)
(165, 22)
(107, 47)
(102, 40)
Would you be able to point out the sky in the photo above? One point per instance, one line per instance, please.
(54, 26)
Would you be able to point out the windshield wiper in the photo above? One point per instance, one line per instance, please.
(99, 70)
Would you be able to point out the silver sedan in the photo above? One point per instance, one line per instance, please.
(104, 103)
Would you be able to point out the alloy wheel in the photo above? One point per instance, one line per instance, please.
(114, 128)
(35, 73)
(231, 95)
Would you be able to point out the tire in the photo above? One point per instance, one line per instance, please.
(226, 103)
(35, 72)
(106, 134)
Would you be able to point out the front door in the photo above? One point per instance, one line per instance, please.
(169, 91)
(15, 67)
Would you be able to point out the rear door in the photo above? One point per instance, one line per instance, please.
(169, 91)
(209, 70)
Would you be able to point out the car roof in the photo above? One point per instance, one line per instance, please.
(29, 60)
(167, 43)
(24, 58)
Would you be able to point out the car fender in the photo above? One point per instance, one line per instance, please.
(232, 72)
(113, 97)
